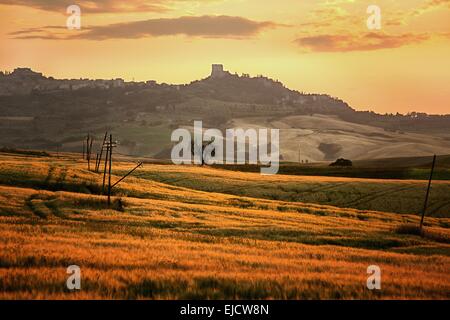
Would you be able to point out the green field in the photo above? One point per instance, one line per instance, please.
(400, 196)
(411, 168)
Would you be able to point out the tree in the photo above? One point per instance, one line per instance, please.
(342, 163)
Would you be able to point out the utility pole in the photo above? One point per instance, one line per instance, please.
(87, 147)
(91, 140)
(110, 165)
(88, 138)
(101, 152)
(104, 169)
(96, 161)
(108, 145)
(428, 194)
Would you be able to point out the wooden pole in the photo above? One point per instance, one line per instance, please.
(96, 160)
(101, 151)
(89, 153)
(428, 193)
(110, 165)
(90, 147)
(87, 149)
(83, 149)
(87, 146)
(104, 169)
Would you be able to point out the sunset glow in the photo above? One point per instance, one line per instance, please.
(312, 46)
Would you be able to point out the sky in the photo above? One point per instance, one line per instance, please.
(314, 46)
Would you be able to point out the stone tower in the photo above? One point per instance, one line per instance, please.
(217, 71)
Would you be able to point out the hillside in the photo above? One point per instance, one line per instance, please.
(316, 137)
(41, 112)
(161, 241)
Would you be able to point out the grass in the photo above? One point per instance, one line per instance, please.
(25, 152)
(414, 229)
(400, 196)
(163, 241)
(382, 172)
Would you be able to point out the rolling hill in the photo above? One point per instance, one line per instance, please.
(315, 138)
(45, 113)
(160, 240)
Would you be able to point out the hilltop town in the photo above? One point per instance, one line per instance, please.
(42, 112)
(26, 81)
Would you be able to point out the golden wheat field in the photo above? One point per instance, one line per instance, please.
(160, 240)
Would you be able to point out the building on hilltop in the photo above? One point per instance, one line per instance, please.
(217, 71)
(118, 83)
(25, 73)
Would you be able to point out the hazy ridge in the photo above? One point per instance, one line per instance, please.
(46, 113)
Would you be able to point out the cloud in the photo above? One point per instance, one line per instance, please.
(325, 17)
(29, 31)
(437, 3)
(402, 17)
(346, 14)
(201, 26)
(97, 6)
(365, 42)
(335, 27)
(430, 5)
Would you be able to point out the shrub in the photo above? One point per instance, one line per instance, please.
(342, 163)
(408, 228)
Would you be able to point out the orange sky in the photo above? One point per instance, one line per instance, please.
(318, 46)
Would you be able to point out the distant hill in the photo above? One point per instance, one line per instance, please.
(46, 113)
